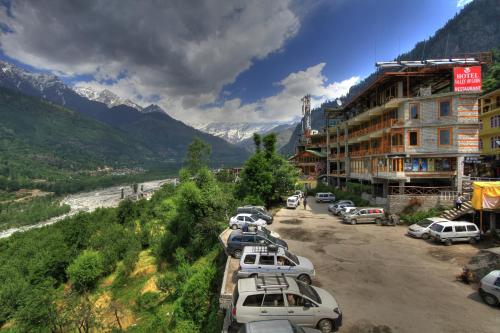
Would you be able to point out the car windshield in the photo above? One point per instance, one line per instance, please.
(292, 257)
(424, 223)
(354, 211)
(437, 227)
(308, 291)
(268, 235)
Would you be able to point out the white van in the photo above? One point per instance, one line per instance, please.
(325, 197)
(455, 231)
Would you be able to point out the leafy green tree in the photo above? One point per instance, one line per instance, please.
(257, 140)
(86, 269)
(492, 77)
(197, 156)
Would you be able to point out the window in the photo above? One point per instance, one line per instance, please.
(495, 121)
(283, 261)
(448, 229)
(241, 218)
(445, 108)
(295, 300)
(414, 111)
(273, 300)
(413, 138)
(253, 300)
(444, 136)
(480, 144)
(480, 124)
(250, 259)
(248, 239)
(497, 282)
(460, 228)
(471, 228)
(266, 260)
(495, 142)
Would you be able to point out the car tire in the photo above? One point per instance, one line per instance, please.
(472, 240)
(425, 236)
(305, 278)
(448, 242)
(325, 326)
(234, 227)
(353, 222)
(488, 298)
(237, 254)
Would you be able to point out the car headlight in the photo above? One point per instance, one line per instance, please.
(336, 310)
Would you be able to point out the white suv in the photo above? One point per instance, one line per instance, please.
(292, 202)
(272, 259)
(489, 288)
(280, 297)
(236, 222)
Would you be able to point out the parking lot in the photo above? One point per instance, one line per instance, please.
(383, 280)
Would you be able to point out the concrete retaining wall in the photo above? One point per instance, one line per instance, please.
(396, 203)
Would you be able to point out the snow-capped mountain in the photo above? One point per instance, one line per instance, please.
(236, 132)
(35, 84)
(105, 96)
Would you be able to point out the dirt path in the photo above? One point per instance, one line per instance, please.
(385, 281)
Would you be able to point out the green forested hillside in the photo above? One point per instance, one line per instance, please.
(47, 146)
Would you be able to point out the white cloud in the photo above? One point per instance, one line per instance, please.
(461, 3)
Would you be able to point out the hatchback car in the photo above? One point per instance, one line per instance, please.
(236, 222)
(257, 211)
(339, 207)
(347, 210)
(365, 215)
(292, 202)
(238, 240)
(455, 231)
(489, 288)
(281, 297)
(325, 197)
(332, 206)
(257, 260)
(422, 228)
(275, 326)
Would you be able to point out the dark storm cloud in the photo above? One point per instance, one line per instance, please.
(171, 48)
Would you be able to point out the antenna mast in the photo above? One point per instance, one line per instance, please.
(306, 113)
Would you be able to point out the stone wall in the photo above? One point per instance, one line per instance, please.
(396, 203)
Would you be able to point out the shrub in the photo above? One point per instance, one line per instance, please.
(418, 216)
(85, 270)
(148, 300)
(167, 283)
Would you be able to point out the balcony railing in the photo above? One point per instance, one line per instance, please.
(372, 128)
(418, 190)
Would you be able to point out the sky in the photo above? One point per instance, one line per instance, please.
(217, 60)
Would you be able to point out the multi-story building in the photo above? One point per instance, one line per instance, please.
(407, 133)
(489, 133)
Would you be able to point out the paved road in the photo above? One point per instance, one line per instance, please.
(385, 281)
(90, 201)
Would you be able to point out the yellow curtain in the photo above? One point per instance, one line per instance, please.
(486, 195)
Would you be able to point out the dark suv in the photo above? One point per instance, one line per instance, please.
(256, 210)
(239, 239)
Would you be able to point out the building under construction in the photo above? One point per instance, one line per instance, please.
(409, 133)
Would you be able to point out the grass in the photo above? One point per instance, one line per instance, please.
(15, 214)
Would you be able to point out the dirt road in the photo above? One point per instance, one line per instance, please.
(385, 281)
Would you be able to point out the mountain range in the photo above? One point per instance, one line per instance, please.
(475, 28)
(158, 138)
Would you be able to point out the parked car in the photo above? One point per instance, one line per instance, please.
(325, 197)
(292, 202)
(489, 288)
(365, 215)
(236, 222)
(422, 228)
(299, 193)
(277, 325)
(333, 206)
(238, 240)
(347, 210)
(281, 297)
(257, 260)
(455, 231)
(339, 208)
(257, 211)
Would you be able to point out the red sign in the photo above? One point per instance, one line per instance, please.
(467, 78)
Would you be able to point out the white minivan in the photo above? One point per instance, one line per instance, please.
(292, 202)
(489, 288)
(455, 231)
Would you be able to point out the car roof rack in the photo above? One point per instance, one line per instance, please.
(271, 281)
(271, 248)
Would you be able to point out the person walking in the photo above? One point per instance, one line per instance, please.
(305, 202)
(244, 227)
(459, 201)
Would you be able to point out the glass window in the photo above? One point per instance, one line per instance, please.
(295, 300)
(495, 142)
(497, 282)
(266, 260)
(471, 228)
(444, 136)
(253, 300)
(448, 229)
(250, 259)
(495, 121)
(460, 228)
(444, 108)
(248, 239)
(413, 138)
(414, 112)
(273, 300)
(283, 261)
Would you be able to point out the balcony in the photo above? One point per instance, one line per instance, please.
(373, 128)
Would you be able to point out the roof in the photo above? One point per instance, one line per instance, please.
(250, 284)
(445, 223)
(316, 153)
